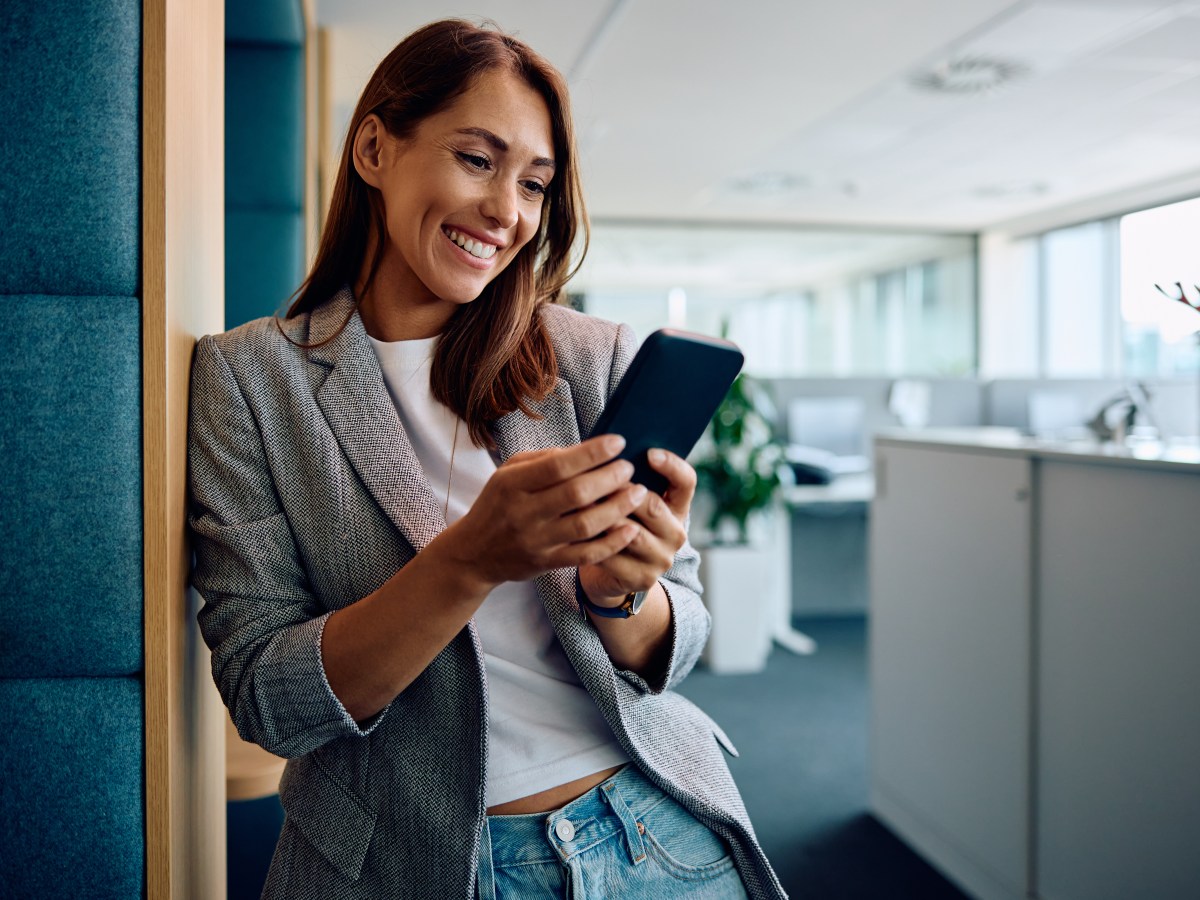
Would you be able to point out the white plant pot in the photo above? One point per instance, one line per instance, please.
(736, 583)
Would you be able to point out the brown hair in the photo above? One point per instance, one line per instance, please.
(494, 353)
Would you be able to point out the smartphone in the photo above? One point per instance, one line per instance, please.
(666, 399)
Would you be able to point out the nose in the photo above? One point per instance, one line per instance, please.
(501, 204)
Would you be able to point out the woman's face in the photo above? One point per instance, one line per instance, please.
(463, 194)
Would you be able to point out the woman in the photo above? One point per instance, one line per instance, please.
(459, 623)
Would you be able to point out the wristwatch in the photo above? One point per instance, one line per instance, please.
(630, 607)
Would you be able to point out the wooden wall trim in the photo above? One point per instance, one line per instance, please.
(154, 547)
(312, 193)
(183, 190)
(327, 159)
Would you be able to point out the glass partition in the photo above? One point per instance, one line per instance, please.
(800, 302)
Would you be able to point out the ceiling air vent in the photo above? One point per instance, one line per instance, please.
(968, 75)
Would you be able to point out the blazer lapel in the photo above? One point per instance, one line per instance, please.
(557, 427)
(359, 411)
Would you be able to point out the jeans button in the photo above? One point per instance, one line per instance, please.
(564, 829)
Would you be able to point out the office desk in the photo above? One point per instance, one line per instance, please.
(857, 488)
(828, 545)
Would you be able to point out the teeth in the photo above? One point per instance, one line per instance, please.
(475, 248)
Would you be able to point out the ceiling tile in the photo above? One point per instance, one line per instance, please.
(680, 102)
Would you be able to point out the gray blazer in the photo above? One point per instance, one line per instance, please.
(306, 496)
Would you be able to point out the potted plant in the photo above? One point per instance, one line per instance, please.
(739, 467)
(738, 462)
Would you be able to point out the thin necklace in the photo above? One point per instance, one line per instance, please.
(450, 478)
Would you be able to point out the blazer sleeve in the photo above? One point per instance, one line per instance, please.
(260, 617)
(690, 621)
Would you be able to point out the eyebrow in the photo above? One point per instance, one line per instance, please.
(502, 145)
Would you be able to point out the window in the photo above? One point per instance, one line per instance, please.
(798, 302)
(1160, 247)
(1097, 313)
(1078, 301)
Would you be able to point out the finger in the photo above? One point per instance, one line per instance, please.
(584, 490)
(597, 550)
(656, 551)
(557, 465)
(589, 521)
(682, 478)
(660, 520)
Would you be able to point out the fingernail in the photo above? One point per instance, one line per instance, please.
(658, 456)
(638, 494)
(614, 443)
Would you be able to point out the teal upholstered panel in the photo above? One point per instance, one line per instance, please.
(70, 487)
(71, 761)
(252, 828)
(264, 127)
(69, 143)
(264, 260)
(264, 21)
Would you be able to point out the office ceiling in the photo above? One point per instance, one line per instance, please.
(802, 112)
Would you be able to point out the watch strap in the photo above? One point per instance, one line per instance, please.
(630, 607)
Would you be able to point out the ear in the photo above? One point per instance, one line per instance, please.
(366, 152)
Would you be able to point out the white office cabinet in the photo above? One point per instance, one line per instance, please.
(950, 660)
(1035, 665)
(1118, 759)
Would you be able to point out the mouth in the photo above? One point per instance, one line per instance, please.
(477, 248)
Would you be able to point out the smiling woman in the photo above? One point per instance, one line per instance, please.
(435, 628)
(485, 163)
(493, 127)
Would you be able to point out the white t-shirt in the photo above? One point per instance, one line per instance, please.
(544, 729)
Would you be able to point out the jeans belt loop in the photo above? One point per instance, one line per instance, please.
(632, 828)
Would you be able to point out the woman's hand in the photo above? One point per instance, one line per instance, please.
(660, 534)
(549, 509)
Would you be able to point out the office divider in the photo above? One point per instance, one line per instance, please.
(71, 655)
(108, 269)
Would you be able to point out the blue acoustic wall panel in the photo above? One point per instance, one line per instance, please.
(71, 761)
(264, 127)
(70, 190)
(71, 745)
(264, 262)
(70, 486)
(252, 827)
(264, 176)
(270, 22)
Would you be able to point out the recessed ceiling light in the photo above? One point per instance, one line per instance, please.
(968, 75)
(1013, 189)
(768, 184)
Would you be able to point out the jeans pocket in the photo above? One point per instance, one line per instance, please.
(683, 845)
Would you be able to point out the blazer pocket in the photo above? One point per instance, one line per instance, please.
(336, 821)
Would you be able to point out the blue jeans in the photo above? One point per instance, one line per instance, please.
(623, 838)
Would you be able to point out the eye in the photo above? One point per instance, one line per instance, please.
(474, 160)
(534, 187)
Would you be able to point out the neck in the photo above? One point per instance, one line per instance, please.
(386, 321)
(396, 306)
